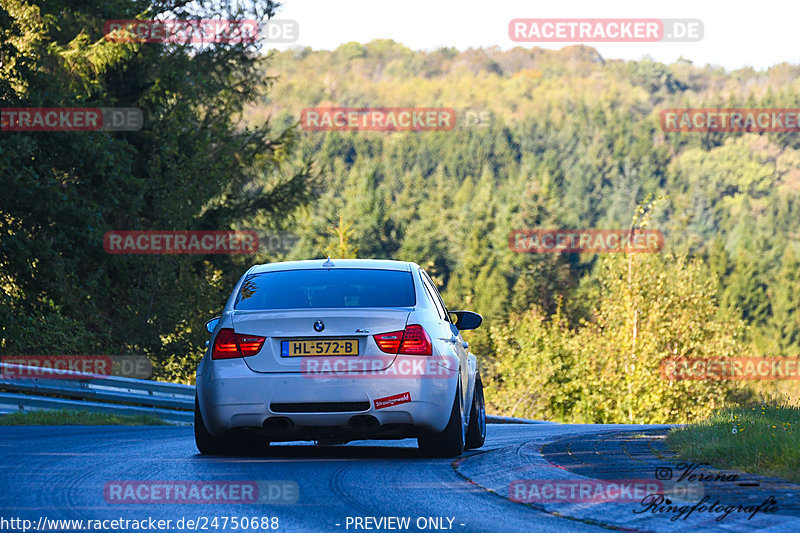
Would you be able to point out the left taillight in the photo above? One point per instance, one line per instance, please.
(229, 344)
(416, 341)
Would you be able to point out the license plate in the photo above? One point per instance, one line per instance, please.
(317, 347)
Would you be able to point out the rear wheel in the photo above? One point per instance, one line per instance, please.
(208, 444)
(476, 431)
(450, 442)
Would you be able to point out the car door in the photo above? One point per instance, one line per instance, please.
(450, 334)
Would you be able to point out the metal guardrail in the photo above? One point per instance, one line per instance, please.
(25, 385)
(494, 419)
(68, 389)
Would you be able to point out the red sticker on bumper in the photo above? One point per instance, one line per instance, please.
(389, 401)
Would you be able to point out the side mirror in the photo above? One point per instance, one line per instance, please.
(467, 320)
(211, 325)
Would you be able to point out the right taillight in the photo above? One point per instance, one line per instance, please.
(414, 340)
(229, 344)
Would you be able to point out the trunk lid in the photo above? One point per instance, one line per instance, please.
(358, 324)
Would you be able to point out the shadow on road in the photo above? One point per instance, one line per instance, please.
(311, 451)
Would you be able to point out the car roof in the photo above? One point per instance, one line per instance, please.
(372, 264)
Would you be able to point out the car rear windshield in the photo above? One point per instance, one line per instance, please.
(341, 287)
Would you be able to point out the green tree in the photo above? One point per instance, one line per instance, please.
(784, 297)
(190, 167)
(340, 246)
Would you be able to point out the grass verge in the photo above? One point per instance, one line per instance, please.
(76, 418)
(761, 438)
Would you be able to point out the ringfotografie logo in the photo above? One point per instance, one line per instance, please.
(658, 504)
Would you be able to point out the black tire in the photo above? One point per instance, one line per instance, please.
(476, 430)
(208, 444)
(450, 442)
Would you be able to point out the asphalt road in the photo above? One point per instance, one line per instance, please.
(71, 472)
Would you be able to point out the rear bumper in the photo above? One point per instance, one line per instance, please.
(231, 396)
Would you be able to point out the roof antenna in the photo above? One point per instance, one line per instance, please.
(328, 263)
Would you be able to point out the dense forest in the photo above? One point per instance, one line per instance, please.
(544, 139)
(565, 139)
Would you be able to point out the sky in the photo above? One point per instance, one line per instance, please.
(756, 34)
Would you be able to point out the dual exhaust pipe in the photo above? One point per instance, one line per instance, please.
(358, 423)
(363, 422)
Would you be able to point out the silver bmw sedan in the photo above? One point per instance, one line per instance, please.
(334, 351)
